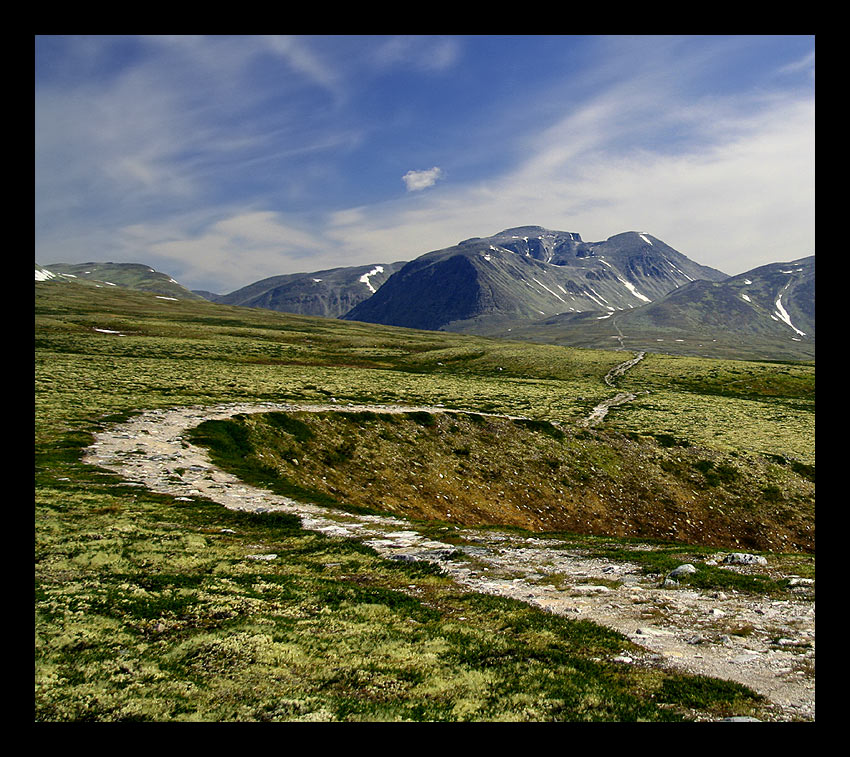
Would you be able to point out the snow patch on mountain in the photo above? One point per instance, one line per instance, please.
(783, 315)
(366, 276)
(555, 294)
(42, 274)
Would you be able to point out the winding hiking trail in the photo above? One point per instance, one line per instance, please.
(597, 415)
(680, 627)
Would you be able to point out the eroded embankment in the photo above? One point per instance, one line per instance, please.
(692, 630)
(475, 470)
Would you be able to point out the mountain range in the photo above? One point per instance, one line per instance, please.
(631, 291)
(331, 293)
(524, 274)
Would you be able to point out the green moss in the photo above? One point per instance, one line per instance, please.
(148, 609)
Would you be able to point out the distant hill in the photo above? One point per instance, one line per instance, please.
(767, 313)
(330, 293)
(526, 273)
(129, 275)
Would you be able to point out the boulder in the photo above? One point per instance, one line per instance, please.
(742, 558)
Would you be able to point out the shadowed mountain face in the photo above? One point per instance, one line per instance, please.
(330, 293)
(527, 273)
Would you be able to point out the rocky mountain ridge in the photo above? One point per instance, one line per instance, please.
(526, 273)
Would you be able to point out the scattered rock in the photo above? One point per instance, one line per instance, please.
(743, 558)
(682, 570)
(796, 581)
(590, 589)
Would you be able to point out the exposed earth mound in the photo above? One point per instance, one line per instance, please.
(470, 469)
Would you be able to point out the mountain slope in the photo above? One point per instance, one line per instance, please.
(128, 275)
(524, 273)
(766, 313)
(329, 293)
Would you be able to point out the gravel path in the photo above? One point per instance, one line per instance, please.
(766, 644)
(597, 415)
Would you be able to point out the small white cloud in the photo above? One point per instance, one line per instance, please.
(417, 180)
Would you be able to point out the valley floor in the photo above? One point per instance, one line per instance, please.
(762, 642)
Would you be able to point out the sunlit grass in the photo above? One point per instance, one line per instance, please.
(149, 608)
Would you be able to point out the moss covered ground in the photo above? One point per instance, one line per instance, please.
(153, 609)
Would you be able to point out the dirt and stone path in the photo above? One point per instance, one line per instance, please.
(597, 415)
(764, 643)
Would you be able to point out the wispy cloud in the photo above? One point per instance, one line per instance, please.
(422, 53)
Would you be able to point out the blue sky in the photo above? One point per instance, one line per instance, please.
(223, 160)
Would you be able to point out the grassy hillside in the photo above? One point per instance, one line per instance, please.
(130, 275)
(146, 608)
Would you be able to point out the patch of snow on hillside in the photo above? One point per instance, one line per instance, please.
(109, 331)
(747, 281)
(781, 312)
(549, 290)
(627, 284)
(678, 270)
(645, 239)
(365, 277)
(599, 296)
(44, 274)
(317, 280)
(744, 297)
(634, 291)
(160, 297)
(594, 298)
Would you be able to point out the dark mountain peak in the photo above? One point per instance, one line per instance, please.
(634, 236)
(528, 272)
(555, 247)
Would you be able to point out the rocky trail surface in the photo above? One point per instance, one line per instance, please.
(695, 631)
(597, 415)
